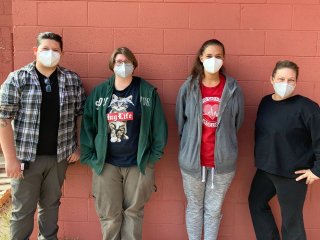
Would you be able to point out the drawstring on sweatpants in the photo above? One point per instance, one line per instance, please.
(203, 175)
(212, 175)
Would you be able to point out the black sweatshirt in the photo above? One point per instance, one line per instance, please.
(287, 136)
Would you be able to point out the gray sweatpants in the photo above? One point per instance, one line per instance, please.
(204, 203)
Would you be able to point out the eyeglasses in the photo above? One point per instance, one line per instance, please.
(48, 84)
(120, 62)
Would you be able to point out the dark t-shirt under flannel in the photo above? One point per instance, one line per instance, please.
(49, 114)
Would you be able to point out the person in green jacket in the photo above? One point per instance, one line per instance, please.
(123, 134)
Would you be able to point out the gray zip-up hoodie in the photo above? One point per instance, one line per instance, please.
(189, 120)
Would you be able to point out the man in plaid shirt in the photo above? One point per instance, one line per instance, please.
(45, 103)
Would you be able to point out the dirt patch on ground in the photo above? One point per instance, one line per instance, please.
(5, 214)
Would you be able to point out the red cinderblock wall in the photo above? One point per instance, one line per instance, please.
(6, 50)
(165, 34)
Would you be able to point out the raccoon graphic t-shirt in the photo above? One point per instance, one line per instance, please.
(124, 117)
(211, 98)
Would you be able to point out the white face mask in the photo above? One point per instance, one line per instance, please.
(283, 89)
(212, 65)
(124, 70)
(49, 58)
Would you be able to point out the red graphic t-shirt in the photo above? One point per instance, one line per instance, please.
(211, 98)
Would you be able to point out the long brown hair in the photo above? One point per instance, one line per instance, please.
(197, 69)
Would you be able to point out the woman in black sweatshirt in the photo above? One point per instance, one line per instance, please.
(287, 156)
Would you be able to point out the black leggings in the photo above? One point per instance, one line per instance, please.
(291, 196)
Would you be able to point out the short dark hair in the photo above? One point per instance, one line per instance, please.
(125, 51)
(51, 36)
(286, 64)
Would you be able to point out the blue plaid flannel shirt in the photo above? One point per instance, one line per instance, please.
(20, 100)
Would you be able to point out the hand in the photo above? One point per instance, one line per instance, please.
(75, 156)
(310, 177)
(13, 169)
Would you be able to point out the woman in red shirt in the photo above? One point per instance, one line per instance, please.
(209, 112)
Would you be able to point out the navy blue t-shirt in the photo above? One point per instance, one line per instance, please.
(124, 118)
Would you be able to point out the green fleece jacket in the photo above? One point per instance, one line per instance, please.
(94, 131)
